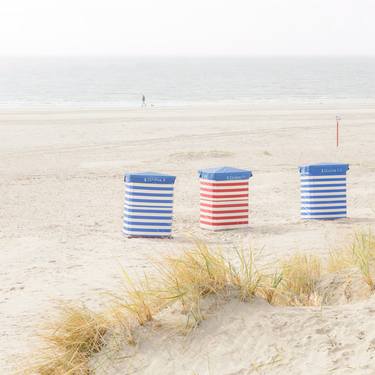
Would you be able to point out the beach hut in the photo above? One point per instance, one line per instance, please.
(323, 191)
(224, 198)
(148, 208)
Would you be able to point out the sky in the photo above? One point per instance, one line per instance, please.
(187, 27)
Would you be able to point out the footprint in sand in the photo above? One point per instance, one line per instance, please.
(197, 155)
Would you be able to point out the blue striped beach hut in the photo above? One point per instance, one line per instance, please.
(323, 191)
(148, 208)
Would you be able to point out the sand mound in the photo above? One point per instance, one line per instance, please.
(343, 287)
(251, 338)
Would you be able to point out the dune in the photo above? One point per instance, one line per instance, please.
(332, 332)
(240, 338)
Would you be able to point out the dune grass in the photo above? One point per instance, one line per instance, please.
(339, 260)
(185, 280)
(247, 278)
(269, 288)
(360, 254)
(137, 299)
(70, 341)
(363, 251)
(300, 274)
(189, 277)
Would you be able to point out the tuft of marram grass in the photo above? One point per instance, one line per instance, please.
(269, 288)
(70, 341)
(121, 323)
(137, 298)
(300, 274)
(360, 254)
(247, 278)
(363, 251)
(187, 278)
(339, 260)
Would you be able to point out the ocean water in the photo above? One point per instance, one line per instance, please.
(121, 82)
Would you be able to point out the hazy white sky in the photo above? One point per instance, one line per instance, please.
(186, 27)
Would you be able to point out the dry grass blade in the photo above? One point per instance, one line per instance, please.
(300, 276)
(122, 323)
(138, 299)
(269, 288)
(194, 274)
(339, 261)
(247, 279)
(363, 250)
(71, 340)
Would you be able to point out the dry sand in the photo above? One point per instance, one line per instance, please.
(61, 198)
(254, 339)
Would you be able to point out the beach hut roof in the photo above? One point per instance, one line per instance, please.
(324, 169)
(150, 178)
(224, 173)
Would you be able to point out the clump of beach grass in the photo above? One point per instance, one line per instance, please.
(269, 289)
(70, 341)
(137, 298)
(121, 322)
(300, 274)
(339, 260)
(363, 251)
(360, 255)
(247, 278)
(194, 274)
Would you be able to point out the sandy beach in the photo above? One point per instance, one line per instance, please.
(61, 203)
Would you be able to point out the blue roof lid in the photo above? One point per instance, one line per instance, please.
(150, 178)
(323, 169)
(224, 173)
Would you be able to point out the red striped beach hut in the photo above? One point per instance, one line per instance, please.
(224, 198)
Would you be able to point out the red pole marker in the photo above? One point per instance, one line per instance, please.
(337, 130)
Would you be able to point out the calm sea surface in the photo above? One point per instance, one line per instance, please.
(121, 82)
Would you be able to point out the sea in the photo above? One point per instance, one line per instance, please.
(120, 82)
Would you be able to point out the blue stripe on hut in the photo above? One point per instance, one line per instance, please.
(323, 191)
(148, 210)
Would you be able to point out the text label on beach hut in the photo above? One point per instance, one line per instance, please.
(148, 204)
(224, 198)
(323, 191)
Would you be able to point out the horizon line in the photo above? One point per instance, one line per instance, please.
(218, 55)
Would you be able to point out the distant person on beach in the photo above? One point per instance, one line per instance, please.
(143, 101)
